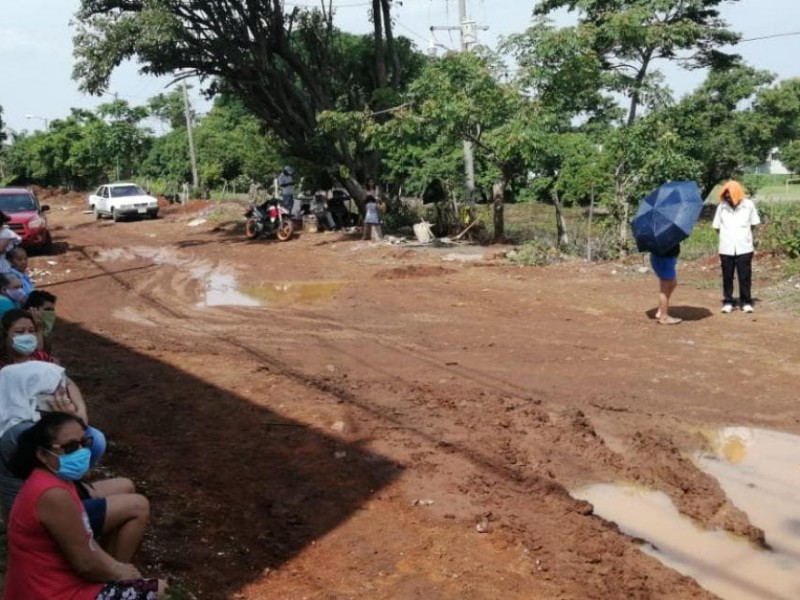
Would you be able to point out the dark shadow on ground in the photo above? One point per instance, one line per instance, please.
(235, 488)
(687, 313)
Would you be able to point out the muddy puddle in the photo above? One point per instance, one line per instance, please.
(294, 292)
(220, 286)
(758, 470)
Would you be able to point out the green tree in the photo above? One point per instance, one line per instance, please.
(613, 49)
(790, 155)
(285, 66)
(168, 108)
(458, 98)
(724, 132)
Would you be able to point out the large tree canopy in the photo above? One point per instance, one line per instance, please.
(285, 65)
(629, 36)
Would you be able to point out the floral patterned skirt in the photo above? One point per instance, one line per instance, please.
(136, 589)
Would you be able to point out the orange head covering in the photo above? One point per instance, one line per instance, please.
(735, 190)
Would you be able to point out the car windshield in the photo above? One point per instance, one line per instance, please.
(16, 202)
(121, 191)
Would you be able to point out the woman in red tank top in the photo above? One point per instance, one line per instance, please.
(51, 552)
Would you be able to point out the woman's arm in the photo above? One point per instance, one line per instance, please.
(62, 519)
(75, 395)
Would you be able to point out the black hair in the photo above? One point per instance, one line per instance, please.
(4, 218)
(40, 435)
(5, 280)
(12, 316)
(10, 253)
(37, 298)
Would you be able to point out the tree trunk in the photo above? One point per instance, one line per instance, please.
(562, 238)
(380, 48)
(621, 210)
(356, 191)
(498, 210)
(391, 48)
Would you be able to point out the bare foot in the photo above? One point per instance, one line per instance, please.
(669, 320)
(658, 315)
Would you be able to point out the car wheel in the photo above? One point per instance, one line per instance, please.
(96, 213)
(47, 247)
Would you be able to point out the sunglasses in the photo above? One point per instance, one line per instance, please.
(74, 446)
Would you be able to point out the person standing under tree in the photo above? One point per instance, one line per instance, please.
(372, 220)
(734, 220)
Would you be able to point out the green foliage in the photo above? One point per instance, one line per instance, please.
(790, 155)
(286, 67)
(83, 148)
(753, 182)
(535, 254)
(725, 132)
(780, 232)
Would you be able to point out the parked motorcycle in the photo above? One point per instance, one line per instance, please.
(267, 219)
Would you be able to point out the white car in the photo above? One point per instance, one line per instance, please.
(120, 200)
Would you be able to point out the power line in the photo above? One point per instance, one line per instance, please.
(412, 32)
(769, 37)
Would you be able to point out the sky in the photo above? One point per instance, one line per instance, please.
(36, 47)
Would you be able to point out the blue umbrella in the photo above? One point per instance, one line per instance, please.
(666, 217)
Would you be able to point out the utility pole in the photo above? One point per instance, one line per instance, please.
(192, 155)
(468, 30)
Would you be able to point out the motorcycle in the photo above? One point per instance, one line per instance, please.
(267, 219)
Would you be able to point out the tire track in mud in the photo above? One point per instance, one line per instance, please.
(510, 465)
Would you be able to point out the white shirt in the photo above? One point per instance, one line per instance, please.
(7, 233)
(372, 217)
(736, 227)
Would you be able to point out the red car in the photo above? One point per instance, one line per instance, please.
(27, 217)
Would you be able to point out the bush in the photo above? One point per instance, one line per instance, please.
(535, 254)
(781, 229)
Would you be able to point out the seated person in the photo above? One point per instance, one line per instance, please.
(42, 307)
(29, 389)
(18, 259)
(52, 553)
(319, 207)
(11, 294)
(21, 341)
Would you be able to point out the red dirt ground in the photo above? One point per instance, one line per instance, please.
(351, 436)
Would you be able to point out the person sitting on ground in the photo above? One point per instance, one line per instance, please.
(319, 208)
(18, 259)
(664, 266)
(42, 307)
(52, 553)
(8, 239)
(117, 514)
(11, 294)
(22, 340)
(372, 220)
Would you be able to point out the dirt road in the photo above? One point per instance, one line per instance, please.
(371, 421)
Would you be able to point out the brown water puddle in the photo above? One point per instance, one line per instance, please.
(758, 469)
(294, 292)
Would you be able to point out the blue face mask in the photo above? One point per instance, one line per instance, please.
(25, 343)
(16, 294)
(73, 466)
